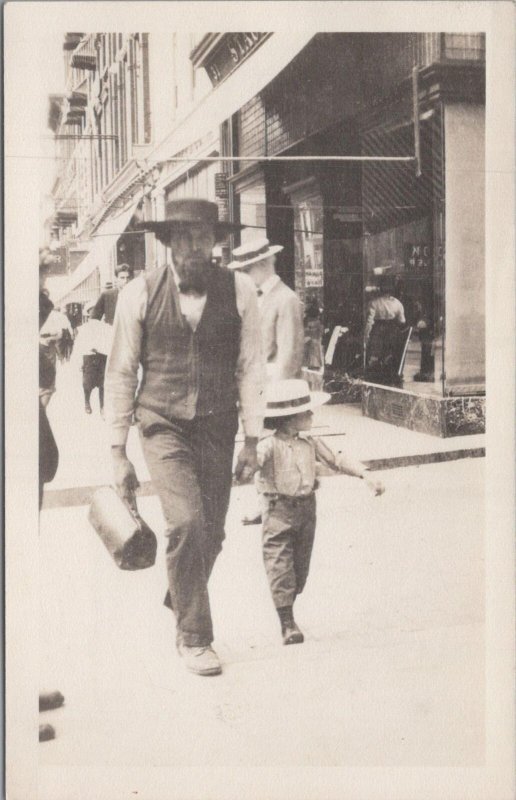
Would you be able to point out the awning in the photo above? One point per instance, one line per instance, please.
(104, 238)
(224, 100)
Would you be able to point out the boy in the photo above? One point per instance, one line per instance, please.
(287, 483)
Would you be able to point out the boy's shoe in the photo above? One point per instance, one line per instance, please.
(50, 700)
(199, 660)
(87, 408)
(46, 733)
(291, 633)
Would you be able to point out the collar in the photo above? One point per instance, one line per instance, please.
(268, 285)
(289, 436)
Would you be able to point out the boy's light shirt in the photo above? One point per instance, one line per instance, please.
(288, 464)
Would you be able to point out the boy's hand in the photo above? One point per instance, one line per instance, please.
(376, 487)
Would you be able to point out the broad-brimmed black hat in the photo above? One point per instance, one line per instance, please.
(190, 211)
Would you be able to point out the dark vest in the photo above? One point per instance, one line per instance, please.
(189, 374)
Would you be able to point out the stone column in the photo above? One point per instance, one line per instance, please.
(464, 354)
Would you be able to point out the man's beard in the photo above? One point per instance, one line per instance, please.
(193, 274)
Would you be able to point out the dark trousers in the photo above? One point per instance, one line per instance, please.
(190, 464)
(287, 540)
(93, 371)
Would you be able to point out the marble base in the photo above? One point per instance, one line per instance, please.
(438, 416)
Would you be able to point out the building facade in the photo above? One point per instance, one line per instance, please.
(362, 154)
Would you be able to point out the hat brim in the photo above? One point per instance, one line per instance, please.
(222, 229)
(316, 399)
(273, 249)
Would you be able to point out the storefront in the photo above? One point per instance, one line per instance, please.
(351, 228)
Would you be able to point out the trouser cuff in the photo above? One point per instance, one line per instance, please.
(195, 639)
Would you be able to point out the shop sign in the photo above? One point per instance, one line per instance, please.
(418, 256)
(314, 278)
(235, 47)
(221, 185)
(59, 262)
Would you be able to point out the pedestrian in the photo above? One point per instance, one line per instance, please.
(194, 329)
(281, 311)
(281, 318)
(287, 481)
(89, 348)
(48, 452)
(105, 307)
(385, 319)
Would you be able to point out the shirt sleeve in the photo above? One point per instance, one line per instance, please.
(123, 361)
(250, 371)
(338, 461)
(289, 339)
(98, 309)
(400, 313)
(264, 451)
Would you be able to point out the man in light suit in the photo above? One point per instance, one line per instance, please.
(281, 311)
(281, 317)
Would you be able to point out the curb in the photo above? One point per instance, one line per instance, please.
(81, 495)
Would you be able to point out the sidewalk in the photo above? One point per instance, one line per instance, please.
(393, 617)
(85, 459)
(393, 657)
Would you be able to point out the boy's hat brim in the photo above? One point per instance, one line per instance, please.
(288, 409)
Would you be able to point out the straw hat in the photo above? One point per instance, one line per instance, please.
(292, 396)
(251, 252)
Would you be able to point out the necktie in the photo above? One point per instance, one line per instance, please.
(259, 292)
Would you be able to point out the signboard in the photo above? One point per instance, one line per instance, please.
(221, 185)
(234, 48)
(59, 263)
(418, 257)
(314, 278)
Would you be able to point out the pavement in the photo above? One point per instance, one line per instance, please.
(393, 615)
(85, 462)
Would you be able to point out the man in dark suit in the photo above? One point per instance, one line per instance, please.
(106, 304)
(104, 309)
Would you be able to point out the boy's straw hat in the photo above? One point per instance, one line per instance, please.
(292, 396)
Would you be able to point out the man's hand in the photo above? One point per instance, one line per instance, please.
(124, 473)
(247, 461)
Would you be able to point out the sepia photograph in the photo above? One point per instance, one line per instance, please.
(271, 438)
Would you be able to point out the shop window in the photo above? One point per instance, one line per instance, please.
(403, 260)
(251, 198)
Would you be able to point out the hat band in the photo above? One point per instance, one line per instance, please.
(298, 401)
(253, 253)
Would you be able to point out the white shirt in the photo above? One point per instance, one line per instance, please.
(385, 307)
(267, 287)
(288, 464)
(124, 359)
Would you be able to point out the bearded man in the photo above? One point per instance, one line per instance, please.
(194, 329)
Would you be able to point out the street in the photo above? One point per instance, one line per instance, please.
(393, 616)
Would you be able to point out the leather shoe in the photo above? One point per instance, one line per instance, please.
(50, 700)
(292, 634)
(46, 733)
(200, 660)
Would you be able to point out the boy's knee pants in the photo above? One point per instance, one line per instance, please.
(288, 537)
